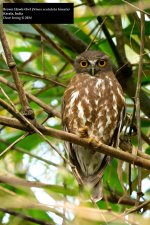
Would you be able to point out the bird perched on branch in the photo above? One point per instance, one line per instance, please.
(94, 108)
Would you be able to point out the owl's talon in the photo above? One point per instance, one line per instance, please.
(92, 140)
(83, 132)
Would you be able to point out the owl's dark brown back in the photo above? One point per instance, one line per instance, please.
(93, 107)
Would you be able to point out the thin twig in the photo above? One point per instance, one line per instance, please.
(18, 149)
(137, 104)
(47, 38)
(7, 97)
(92, 41)
(14, 143)
(61, 70)
(135, 209)
(115, 198)
(64, 196)
(121, 8)
(121, 49)
(136, 6)
(31, 58)
(43, 59)
(11, 110)
(145, 138)
(36, 75)
(71, 40)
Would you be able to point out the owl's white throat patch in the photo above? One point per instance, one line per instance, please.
(92, 62)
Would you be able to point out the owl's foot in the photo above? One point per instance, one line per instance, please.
(92, 140)
(83, 132)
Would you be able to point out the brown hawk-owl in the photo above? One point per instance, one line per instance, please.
(94, 108)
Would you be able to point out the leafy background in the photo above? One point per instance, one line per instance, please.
(32, 159)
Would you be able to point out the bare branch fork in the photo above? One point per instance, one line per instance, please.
(27, 111)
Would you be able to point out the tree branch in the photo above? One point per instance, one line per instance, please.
(33, 56)
(25, 217)
(102, 148)
(17, 181)
(11, 110)
(47, 108)
(130, 88)
(47, 38)
(140, 206)
(64, 34)
(115, 198)
(119, 9)
(120, 37)
(27, 111)
(14, 143)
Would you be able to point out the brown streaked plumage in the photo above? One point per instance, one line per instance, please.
(93, 107)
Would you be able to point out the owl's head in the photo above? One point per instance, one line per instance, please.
(92, 62)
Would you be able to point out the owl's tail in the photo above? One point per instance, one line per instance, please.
(97, 191)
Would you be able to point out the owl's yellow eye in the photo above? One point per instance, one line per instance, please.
(83, 63)
(101, 63)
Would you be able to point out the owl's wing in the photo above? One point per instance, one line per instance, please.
(115, 142)
(62, 110)
(115, 138)
(71, 151)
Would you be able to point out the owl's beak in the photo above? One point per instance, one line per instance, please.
(92, 70)
(92, 66)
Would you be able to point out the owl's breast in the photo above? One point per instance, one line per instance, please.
(93, 103)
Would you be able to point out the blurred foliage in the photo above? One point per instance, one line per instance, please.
(34, 160)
